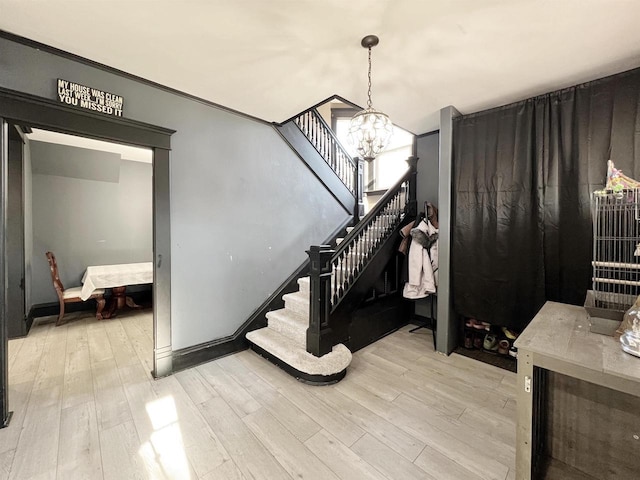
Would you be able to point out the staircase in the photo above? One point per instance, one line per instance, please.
(306, 343)
(306, 338)
(284, 342)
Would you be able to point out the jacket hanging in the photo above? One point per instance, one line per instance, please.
(423, 262)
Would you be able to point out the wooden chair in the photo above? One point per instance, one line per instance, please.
(71, 295)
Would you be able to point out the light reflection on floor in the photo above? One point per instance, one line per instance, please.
(165, 448)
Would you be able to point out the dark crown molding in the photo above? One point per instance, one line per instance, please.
(92, 63)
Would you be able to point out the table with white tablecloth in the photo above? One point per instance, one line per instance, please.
(117, 278)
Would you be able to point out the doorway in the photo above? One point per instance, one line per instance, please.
(21, 109)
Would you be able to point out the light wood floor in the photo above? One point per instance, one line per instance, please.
(85, 406)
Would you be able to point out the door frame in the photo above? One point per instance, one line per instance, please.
(15, 147)
(21, 108)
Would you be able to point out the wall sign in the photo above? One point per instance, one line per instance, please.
(90, 98)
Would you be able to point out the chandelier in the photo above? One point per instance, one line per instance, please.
(370, 130)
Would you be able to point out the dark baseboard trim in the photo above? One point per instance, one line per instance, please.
(29, 320)
(53, 308)
(6, 421)
(297, 374)
(207, 351)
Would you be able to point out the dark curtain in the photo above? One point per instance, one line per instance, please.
(523, 177)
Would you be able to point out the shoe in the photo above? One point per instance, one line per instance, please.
(513, 352)
(477, 341)
(503, 347)
(471, 323)
(468, 340)
(510, 334)
(490, 342)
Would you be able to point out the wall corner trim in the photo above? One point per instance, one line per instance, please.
(447, 331)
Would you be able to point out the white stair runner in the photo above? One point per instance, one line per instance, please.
(285, 337)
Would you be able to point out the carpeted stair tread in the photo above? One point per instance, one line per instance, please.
(297, 357)
(289, 324)
(304, 284)
(297, 302)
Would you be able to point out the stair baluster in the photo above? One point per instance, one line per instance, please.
(357, 249)
(327, 145)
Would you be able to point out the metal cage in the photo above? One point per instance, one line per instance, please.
(616, 249)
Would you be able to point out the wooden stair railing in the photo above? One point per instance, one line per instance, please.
(349, 170)
(333, 273)
(321, 136)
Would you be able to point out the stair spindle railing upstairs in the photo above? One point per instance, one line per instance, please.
(321, 136)
(334, 272)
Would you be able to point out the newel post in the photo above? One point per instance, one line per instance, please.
(412, 200)
(359, 184)
(319, 337)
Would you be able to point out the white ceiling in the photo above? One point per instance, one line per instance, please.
(275, 58)
(127, 152)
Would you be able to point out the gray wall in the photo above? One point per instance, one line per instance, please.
(427, 150)
(74, 162)
(243, 206)
(86, 221)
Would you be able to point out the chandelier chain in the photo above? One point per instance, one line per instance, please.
(369, 91)
(370, 129)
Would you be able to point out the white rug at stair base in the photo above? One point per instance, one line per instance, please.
(292, 354)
